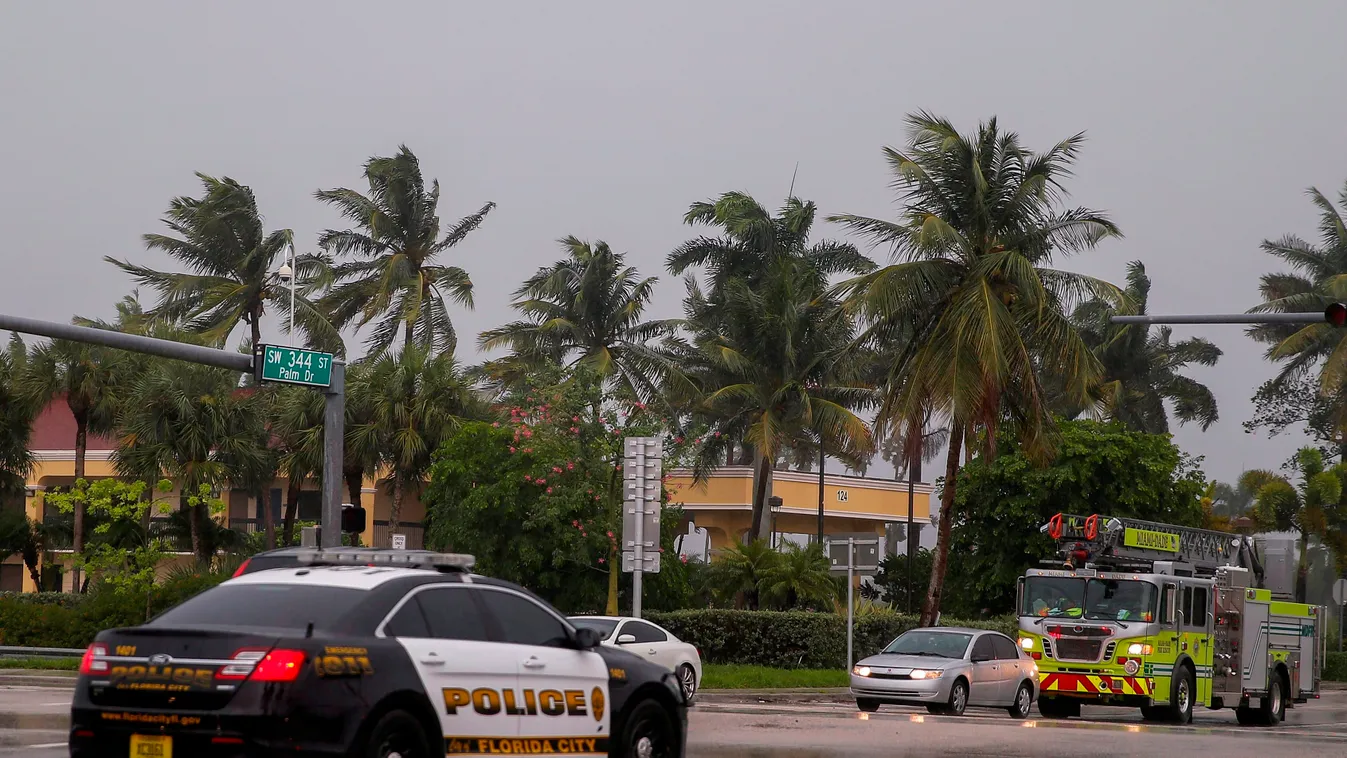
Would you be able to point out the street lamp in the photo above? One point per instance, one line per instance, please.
(774, 503)
(287, 275)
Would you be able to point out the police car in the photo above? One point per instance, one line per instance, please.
(369, 654)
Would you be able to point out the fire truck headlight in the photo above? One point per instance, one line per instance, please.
(1137, 648)
(1027, 643)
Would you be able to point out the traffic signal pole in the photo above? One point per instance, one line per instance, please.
(1335, 314)
(334, 415)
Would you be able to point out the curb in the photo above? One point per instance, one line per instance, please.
(27, 678)
(826, 695)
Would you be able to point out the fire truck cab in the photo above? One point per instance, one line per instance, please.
(1161, 617)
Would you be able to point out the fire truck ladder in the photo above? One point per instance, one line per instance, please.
(1128, 543)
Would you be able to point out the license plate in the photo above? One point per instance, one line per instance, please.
(151, 746)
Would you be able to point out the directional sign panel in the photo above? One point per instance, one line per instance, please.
(293, 365)
(865, 558)
(642, 469)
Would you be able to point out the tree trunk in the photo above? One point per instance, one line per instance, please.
(256, 326)
(396, 509)
(614, 576)
(268, 519)
(81, 449)
(1303, 566)
(762, 520)
(292, 490)
(931, 608)
(195, 517)
(355, 484)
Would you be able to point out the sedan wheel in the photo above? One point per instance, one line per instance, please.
(1023, 700)
(958, 698)
(687, 681)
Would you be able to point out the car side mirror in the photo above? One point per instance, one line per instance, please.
(587, 639)
(626, 639)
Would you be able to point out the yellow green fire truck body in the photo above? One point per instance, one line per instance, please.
(1162, 618)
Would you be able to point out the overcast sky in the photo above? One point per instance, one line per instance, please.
(1206, 122)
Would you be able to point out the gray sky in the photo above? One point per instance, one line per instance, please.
(1206, 120)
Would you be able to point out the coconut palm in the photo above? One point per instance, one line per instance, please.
(193, 425)
(89, 379)
(232, 264)
(414, 400)
(973, 280)
(587, 309)
(394, 277)
(741, 570)
(297, 426)
(801, 577)
(1307, 508)
(1140, 369)
(770, 365)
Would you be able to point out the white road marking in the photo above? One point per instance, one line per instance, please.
(46, 745)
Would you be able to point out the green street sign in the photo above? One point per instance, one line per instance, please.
(293, 365)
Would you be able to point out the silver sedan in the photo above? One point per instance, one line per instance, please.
(948, 669)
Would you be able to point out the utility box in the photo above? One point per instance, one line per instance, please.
(1279, 566)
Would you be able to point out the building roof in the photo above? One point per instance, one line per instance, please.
(54, 429)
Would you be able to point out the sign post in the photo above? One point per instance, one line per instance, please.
(642, 469)
(1340, 598)
(861, 554)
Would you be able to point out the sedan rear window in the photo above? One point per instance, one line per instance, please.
(272, 606)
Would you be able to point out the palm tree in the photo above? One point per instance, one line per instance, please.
(232, 263)
(1141, 370)
(1318, 277)
(89, 379)
(587, 309)
(972, 279)
(193, 425)
(297, 426)
(802, 577)
(770, 364)
(1279, 505)
(415, 399)
(740, 571)
(394, 277)
(16, 420)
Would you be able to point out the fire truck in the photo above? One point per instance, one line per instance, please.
(1163, 617)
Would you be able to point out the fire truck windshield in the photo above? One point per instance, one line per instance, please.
(1074, 597)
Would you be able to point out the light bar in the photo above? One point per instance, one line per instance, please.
(392, 558)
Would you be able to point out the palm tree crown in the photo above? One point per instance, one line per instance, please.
(394, 277)
(1141, 370)
(587, 308)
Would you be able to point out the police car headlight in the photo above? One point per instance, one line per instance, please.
(861, 671)
(1132, 667)
(1136, 648)
(926, 673)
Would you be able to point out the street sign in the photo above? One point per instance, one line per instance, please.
(864, 548)
(293, 365)
(642, 467)
(399, 542)
(1340, 592)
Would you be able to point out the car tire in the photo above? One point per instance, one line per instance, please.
(649, 732)
(396, 733)
(867, 705)
(1024, 702)
(687, 681)
(1273, 710)
(958, 698)
(1182, 693)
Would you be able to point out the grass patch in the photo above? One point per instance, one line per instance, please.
(44, 664)
(736, 677)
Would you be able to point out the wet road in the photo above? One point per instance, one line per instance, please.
(32, 723)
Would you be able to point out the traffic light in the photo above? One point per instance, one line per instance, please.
(1336, 314)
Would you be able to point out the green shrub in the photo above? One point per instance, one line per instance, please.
(67, 599)
(793, 639)
(1335, 667)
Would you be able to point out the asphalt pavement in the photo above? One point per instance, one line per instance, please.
(33, 722)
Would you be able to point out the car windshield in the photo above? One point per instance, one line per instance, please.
(935, 644)
(1076, 597)
(604, 627)
(275, 606)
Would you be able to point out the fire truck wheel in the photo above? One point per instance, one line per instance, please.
(1058, 708)
(1182, 689)
(1274, 705)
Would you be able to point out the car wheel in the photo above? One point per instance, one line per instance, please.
(867, 705)
(687, 681)
(1024, 699)
(649, 732)
(397, 735)
(1058, 708)
(1183, 689)
(958, 698)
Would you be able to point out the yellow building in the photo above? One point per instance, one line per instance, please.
(722, 505)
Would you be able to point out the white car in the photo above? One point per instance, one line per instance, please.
(651, 642)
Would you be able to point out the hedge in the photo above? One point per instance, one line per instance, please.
(794, 639)
(53, 619)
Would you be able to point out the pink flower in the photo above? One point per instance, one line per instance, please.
(678, 440)
(575, 418)
(528, 432)
(512, 448)
(600, 560)
(683, 558)
(570, 466)
(556, 469)
(596, 497)
(575, 430)
(542, 480)
(697, 441)
(661, 550)
(641, 406)
(575, 523)
(610, 534)
(528, 478)
(549, 490)
(590, 491)
(528, 449)
(495, 424)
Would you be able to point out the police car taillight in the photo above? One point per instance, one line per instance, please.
(279, 666)
(242, 567)
(90, 663)
(244, 661)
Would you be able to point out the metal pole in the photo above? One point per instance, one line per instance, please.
(822, 462)
(133, 342)
(910, 552)
(334, 435)
(1341, 608)
(293, 276)
(1225, 318)
(851, 619)
(638, 550)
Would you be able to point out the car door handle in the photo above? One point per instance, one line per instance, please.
(651, 651)
(432, 659)
(534, 663)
